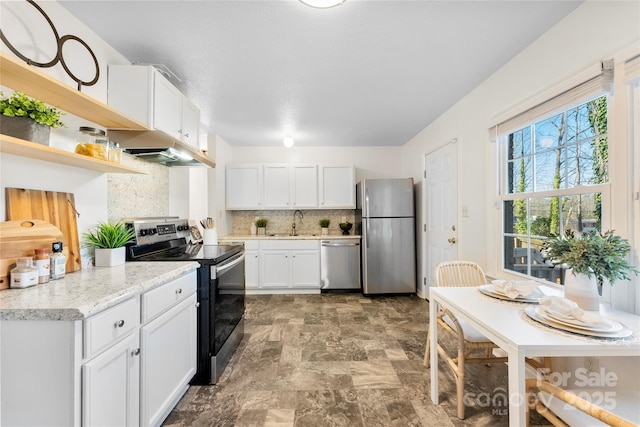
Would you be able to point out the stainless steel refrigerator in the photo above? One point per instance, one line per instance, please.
(385, 217)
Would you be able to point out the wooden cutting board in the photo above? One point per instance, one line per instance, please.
(53, 207)
(20, 238)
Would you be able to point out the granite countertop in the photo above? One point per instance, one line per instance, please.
(284, 236)
(88, 291)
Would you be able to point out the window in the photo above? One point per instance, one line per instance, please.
(554, 178)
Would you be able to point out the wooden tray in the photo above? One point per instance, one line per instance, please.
(55, 208)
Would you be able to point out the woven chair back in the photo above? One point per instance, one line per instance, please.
(459, 273)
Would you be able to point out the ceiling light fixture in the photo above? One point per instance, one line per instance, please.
(322, 4)
(288, 141)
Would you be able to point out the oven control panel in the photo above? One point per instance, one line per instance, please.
(153, 231)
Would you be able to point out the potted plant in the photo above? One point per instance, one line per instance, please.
(27, 118)
(261, 224)
(345, 227)
(324, 225)
(592, 257)
(109, 240)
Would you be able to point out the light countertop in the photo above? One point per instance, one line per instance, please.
(283, 236)
(86, 292)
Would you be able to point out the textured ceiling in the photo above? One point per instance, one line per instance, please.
(364, 73)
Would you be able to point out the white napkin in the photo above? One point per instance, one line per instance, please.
(566, 309)
(515, 288)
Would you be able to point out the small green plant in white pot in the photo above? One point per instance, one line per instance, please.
(261, 224)
(109, 240)
(324, 225)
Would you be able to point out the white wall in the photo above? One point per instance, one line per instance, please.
(594, 31)
(95, 193)
(31, 35)
(223, 154)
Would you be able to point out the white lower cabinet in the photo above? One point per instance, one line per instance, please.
(252, 264)
(125, 366)
(292, 265)
(167, 360)
(275, 269)
(305, 269)
(110, 382)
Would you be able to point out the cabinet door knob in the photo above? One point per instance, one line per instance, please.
(119, 324)
(179, 291)
(186, 135)
(197, 304)
(135, 352)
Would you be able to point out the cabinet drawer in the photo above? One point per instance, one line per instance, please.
(251, 245)
(109, 326)
(160, 299)
(289, 245)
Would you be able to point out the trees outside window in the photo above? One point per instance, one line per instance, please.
(555, 173)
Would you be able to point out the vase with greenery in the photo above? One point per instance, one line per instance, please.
(324, 225)
(27, 118)
(592, 257)
(109, 240)
(345, 227)
(261, 224)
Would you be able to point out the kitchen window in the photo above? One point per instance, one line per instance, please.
(553, 175)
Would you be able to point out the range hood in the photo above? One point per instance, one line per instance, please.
(158, 147)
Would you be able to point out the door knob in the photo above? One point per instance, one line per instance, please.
(452, 240)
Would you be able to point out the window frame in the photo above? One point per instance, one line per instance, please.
(503, 194)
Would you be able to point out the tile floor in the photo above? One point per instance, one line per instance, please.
(336, 360)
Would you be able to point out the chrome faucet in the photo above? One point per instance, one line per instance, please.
(293, 227)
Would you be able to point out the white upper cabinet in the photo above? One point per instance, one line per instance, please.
(304, 186)
(190, 130)
(290, 186)
(143, 93)
(276, 186)
(167, 106)
(244, 187)
(337, 185)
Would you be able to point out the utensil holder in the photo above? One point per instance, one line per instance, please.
(210, 236)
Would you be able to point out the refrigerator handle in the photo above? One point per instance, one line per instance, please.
(366, 235)
(366, 200)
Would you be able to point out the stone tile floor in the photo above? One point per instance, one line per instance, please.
(337, 360)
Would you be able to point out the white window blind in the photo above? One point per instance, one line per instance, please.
(632, 70)
(596, 85)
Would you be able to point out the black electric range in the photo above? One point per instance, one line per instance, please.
(220, 288)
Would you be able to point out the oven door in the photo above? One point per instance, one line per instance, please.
(227, 299)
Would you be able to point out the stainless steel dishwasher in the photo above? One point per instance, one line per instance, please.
(340, 264)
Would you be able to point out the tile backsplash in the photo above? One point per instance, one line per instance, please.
(280, 221)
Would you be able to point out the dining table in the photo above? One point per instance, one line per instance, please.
(506, 324)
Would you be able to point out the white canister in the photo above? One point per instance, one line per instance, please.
(24, 274)
(210, 236)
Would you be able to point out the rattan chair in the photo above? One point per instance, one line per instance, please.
(469, 341)
(541, 404)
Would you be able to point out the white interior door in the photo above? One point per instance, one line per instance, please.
(440, 209)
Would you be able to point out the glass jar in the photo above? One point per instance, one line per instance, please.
(24, 274)
(115, 152)
(57, 261)
(41, 262)
(92, 142)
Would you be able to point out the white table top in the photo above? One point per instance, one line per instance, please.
(507, 322)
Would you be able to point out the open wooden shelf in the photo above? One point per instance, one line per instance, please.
(24, 78)
(20, 147)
